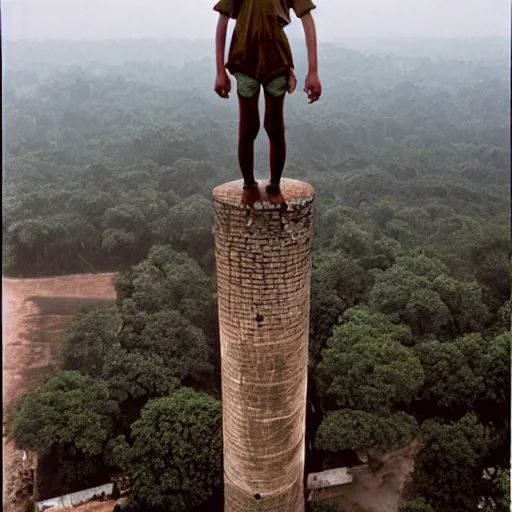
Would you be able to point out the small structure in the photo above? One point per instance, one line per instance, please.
(77, 498)
(331, 479)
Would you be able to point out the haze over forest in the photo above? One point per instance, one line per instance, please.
(195, 19)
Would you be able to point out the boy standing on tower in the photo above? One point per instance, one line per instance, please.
(260, 54)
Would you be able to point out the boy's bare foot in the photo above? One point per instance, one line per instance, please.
(275, 196)
(250, 195)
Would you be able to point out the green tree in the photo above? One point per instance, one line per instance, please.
(326, 309)
(183, 347)
(192, 221)
(364, 365)
(502, 484)
(123, 227)
(372, 375)
(175, 460)
(464, 300)
(340, 272)
(88, 340)
(369, 372)
(420, 291)
(186, 176)
(361, 324)
(169, 280)
(91, 202)
(135, 375)
(496, 374)
(69, 409)
(170, 283)
(450, 383)
(448, 470)
(360, 431)
(417, 505)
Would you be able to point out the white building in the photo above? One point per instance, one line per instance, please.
(76, 498)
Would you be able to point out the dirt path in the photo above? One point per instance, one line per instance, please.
(380, 491)
(95, 506)
(375, 491)
(35, 313)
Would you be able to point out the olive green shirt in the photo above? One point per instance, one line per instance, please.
(259, 46)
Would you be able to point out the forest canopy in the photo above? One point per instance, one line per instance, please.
(109, 165)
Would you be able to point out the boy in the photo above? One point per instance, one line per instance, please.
(260, 54)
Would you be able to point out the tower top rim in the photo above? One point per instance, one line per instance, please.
(294, 192)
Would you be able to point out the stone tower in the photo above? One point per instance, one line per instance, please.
(263, 278)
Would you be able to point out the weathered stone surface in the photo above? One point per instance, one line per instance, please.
(263, 277)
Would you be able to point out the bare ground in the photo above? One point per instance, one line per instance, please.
(94, 506)
(35, 313)
(375, 491)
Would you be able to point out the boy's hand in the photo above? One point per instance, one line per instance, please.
(313, 87)
(222, 85)
(292, 81)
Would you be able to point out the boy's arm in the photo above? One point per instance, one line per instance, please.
(313, 86)
(222, 83)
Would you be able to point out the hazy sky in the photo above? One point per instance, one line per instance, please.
(114, 19)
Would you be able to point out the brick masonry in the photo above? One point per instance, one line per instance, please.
(263, 279)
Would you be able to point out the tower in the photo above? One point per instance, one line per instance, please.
(263, 280)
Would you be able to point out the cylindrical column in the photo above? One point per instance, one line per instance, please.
(263, 278)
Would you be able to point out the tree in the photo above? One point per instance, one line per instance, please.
(360, 431)
(326, 309)
(369, 374)
(418, 505)
(175, 460)
(495, 373)
(373, 376)
(169, 280)
(338, 271)
(350, 237)
(450, 384)
(69, 409)
(420, 292)
(183, 347)
(448, 470)
(91, 202)
(464, 300)
(192, 221)
(93, 346)
(502, 492)
(361, 324)
(135, 375)
(123, 227)
(88, 340)
(496, 370)
(187, 176)
(365, 367)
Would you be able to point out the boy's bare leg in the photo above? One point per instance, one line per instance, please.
(249, 126)
(275, 128)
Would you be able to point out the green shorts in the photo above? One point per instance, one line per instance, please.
(247, 87)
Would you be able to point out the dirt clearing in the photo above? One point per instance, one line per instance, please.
(93, 506)
(381, 490)
(35, 313)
